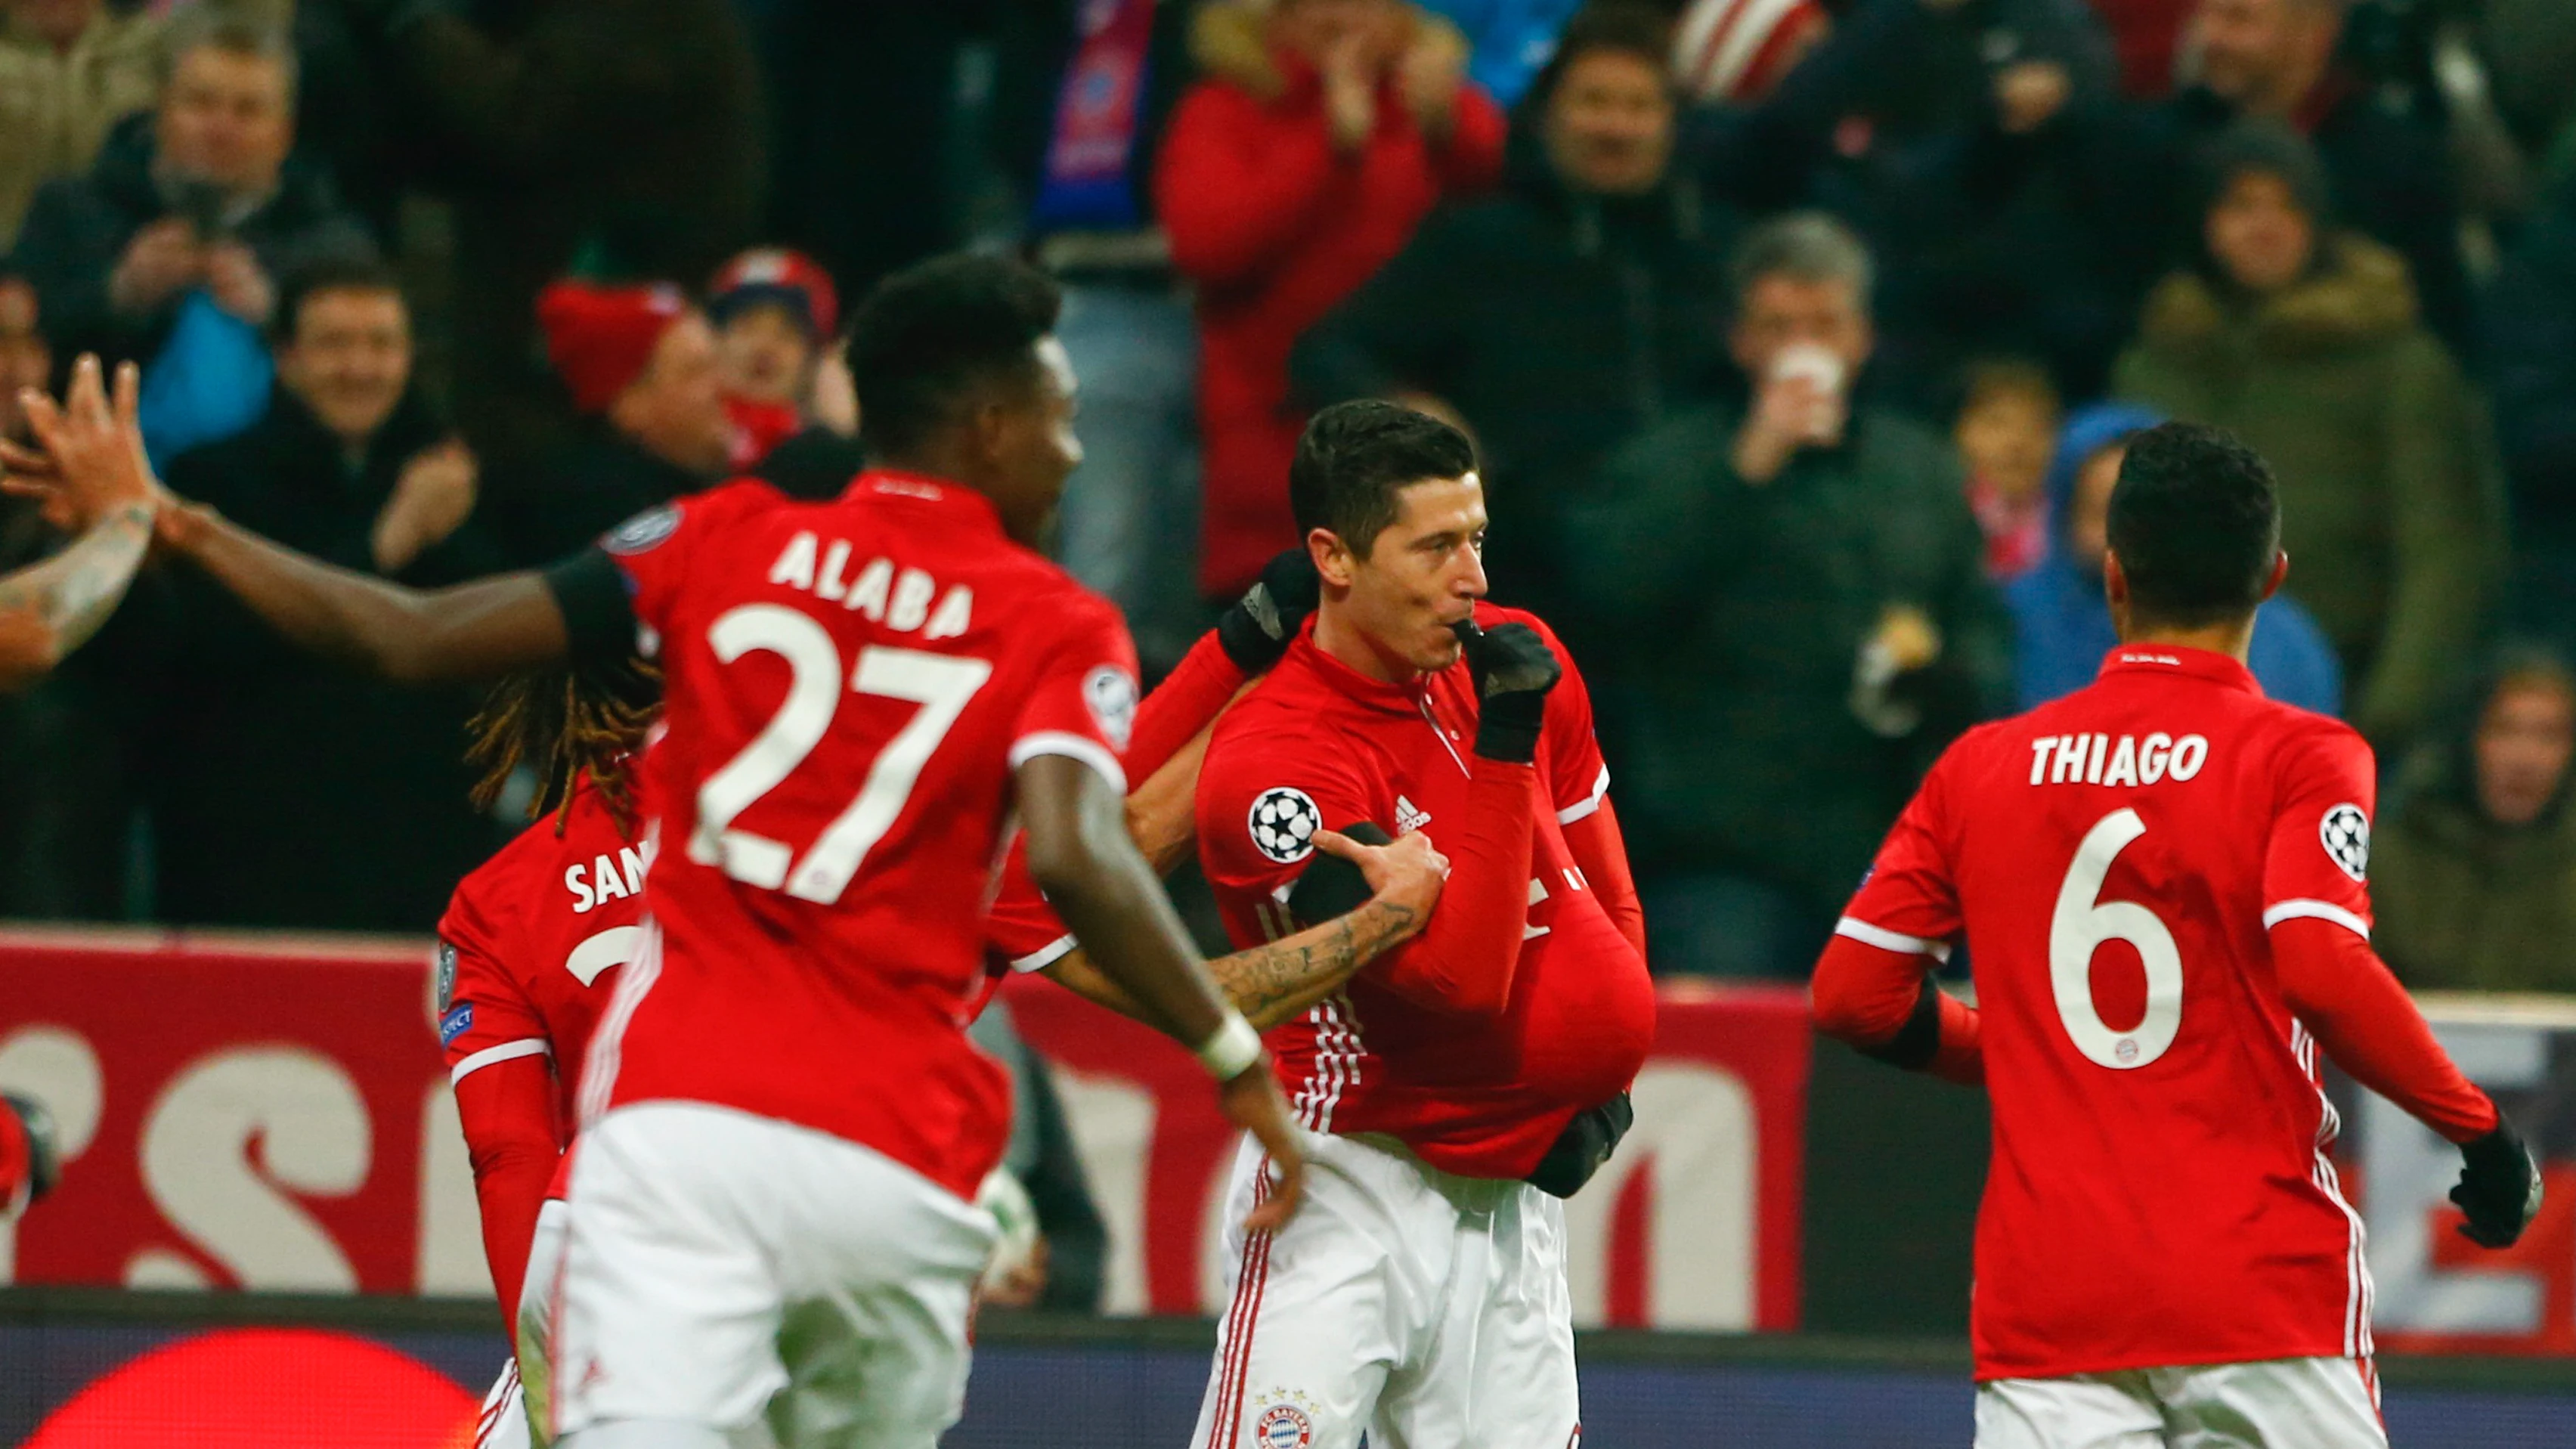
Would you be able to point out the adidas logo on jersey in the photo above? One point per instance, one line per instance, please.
(1409, 817)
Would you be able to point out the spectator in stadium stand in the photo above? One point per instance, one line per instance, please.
(2473, 867)
(1128, 528)
(1862, 111)
(1614, 270)
(2147, 35)
(1802, 591)
(2006, 430)
(293, 793)
(71, 69)
(193, 208)
(641, 366)
(2304, 340)
(1320, 135)
(2530, 353)
(773, 311)
(2061, 621)
(620, 136)
(2388, 174)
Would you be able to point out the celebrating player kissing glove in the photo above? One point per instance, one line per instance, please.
(1256, 631)
(2499, 1187)
(1514, 670)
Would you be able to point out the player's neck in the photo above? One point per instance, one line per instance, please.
(2235, 640)
(1337, 636)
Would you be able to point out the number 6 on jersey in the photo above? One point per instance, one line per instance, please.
(2080, 925)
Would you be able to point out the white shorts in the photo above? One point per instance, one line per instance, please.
(516, 1407)
(721, 1268)
(2282, 1403)
(1428, 1310)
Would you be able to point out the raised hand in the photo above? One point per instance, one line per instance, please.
(89, 460)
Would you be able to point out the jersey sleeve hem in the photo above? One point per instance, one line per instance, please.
(2296, 910)
(1046, 955)
(1887, 940)
(1072, 746)
(507, 1051)
(1590, 804)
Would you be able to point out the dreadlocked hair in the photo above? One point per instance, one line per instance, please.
(563, 723)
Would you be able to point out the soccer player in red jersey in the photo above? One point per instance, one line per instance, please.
(1460, 1080)
(2160, 881)
(782, 1119)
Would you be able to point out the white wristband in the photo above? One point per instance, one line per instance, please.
(1231, 1049)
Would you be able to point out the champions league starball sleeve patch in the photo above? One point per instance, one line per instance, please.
(1284, 821)
(643, 531)
(1110, 693)
(2345, 833)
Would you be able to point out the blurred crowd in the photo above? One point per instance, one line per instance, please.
(1800, 340)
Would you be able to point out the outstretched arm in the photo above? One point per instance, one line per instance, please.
(91, 468)
(47, 610)
(468, 631)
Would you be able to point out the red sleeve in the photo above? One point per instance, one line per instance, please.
(1237, 184)
(2334, 983)
(508, 1114)
(1465, 959)
(652, 549)
(1187, 701)
(1869, 986)
(2318, 853)
(1602, 855)
(1021, 927)
(1081, 700)
(1473, 159)
(500, 1062)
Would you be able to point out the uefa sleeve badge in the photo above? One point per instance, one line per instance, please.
(1110, 692)
(643, 531)
(1284, 822)
(2345, 832)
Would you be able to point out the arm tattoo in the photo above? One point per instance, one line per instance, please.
(1270, 983)
(72, 594)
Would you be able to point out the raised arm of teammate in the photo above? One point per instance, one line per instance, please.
(49, 609)
(92, 466)
(1083, 858)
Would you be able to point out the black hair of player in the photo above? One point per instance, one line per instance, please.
(2195, 521)
(933, 335)
(330, 272)
(1355, 457)
(562, 722)
(1616, 27)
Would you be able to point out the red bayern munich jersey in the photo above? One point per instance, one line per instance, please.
(2160, 1192)
(847, 688)
(1478, 1096)
(529, 948)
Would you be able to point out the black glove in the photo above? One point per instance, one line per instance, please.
(1514, 670)
(1331, 887)
(1256, 631)
(1582, 1147)
(2499, 1187)
(29, 1119)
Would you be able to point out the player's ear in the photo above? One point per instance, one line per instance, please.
(1333, 559)
(2115, 580)
(2280, 574)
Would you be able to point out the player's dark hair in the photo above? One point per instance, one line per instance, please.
(1355, 457)
(928, 337)
(337, 271)
(563, 722)
(2195, 521)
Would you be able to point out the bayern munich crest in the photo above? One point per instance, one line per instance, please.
(1283, 1426)
(2345, 832)
(1284, 821)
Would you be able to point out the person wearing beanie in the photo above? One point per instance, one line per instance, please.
(639, 363)
(772, 309)
(2306, 341)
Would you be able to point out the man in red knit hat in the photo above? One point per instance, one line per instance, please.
(640, 364)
